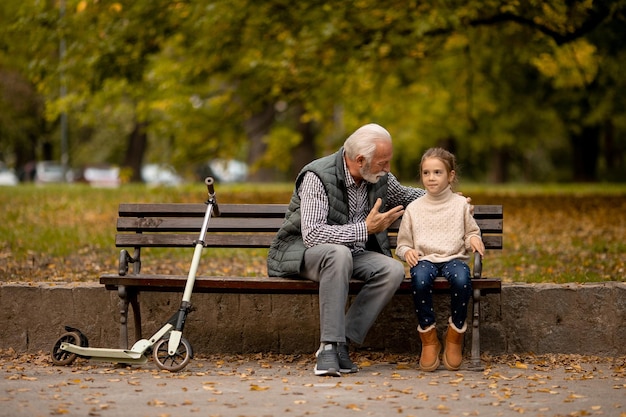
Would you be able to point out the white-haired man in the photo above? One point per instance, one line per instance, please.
(335, 229)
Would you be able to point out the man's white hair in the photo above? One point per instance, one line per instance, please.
(363, 141)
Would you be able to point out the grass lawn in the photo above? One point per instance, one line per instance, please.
(65, 233)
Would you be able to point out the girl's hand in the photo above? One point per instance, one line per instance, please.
(477, 245)
(411, 257)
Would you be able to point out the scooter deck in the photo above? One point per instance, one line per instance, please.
(104, 354)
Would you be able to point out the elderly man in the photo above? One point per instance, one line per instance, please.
(334, 230)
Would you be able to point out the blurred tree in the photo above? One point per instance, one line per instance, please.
(478, 63)
(579, 44)
(23, 130)
(279, 83)
(20, 119)
(108, 49)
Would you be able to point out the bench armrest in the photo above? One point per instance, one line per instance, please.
(478, 265)
(125, 259)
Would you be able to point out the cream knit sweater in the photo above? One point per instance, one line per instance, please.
(438, 227)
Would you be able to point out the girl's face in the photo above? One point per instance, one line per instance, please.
(435, 175)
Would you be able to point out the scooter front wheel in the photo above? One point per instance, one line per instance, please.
(62, 357)
(175, 362)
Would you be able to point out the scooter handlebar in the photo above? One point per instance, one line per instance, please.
(209, 181)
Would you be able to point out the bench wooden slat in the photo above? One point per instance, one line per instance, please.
(488, 211)
(491, 241)
(484, 211)
(486, 224)
(183, 224)
(198, 210)
(242, 240)
(239, 224)
(247, 285)
(153, 240)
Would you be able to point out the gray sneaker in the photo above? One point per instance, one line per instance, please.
(346, 365)
(327, 360)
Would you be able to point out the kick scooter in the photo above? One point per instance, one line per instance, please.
(170, 350)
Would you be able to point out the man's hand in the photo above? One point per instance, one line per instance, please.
(376, 221)
(469, 201)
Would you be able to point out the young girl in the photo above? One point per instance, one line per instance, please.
(435, 236)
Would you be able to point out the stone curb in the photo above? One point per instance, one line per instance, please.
(585, 319)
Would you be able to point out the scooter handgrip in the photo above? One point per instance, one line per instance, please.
(209, 181)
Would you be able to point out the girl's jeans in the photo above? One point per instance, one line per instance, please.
(422, 278)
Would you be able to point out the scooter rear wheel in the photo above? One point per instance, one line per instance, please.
(172, 363)
(62, 357)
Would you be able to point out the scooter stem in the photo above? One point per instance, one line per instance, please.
(211, 207)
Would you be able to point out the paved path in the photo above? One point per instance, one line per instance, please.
(279, 385)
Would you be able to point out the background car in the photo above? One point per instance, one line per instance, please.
(160, 174)
(47, 172)
(7, 175)
(224, 170)
(105, 176)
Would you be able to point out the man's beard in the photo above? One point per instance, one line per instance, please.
(369, 176)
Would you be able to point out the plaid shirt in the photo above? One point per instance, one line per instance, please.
(314, 208)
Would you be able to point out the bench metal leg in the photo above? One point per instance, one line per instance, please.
(475, 362)
(128, 296)
(134, 302)
(121, 292)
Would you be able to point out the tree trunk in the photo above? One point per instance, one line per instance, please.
(137, 145)
(613, 154)
(257, 127)
(305, 151)
(498, 167)
(585, 152)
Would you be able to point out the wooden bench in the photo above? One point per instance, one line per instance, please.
(177, 225)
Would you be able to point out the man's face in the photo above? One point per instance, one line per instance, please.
(380, 165)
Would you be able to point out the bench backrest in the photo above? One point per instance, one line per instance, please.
(239, 225)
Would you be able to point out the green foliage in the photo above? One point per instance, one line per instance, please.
(280, 141)
(534, 83)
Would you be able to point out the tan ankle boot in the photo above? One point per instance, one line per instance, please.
(429, 359)
(453, 349)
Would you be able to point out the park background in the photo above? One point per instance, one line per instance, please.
(528, 94)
